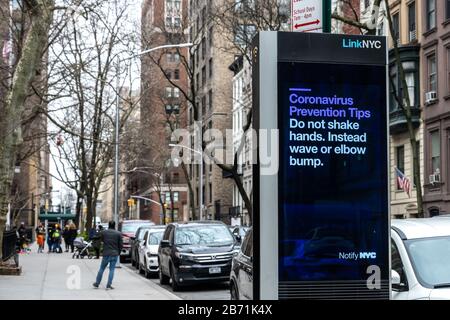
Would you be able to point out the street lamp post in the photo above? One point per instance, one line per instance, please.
(201, 174)
(117, 124)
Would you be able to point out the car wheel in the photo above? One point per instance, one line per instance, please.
(175, 285)
(146, 272)
(234, 291)
(141, 271)
(163, 279)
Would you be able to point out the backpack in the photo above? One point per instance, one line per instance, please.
(56, 234)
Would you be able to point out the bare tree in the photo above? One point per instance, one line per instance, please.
(401, 95)
(40, 17)
(83, 97)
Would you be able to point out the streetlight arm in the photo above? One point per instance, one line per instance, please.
(167, 46)
(146, 199)
(180, 146)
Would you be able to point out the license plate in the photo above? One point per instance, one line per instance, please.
(215, 270)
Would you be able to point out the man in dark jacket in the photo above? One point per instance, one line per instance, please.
(112, 246)
(97, 241)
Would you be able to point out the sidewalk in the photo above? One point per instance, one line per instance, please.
(50, 276)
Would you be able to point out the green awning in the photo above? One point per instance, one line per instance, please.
(56, 217)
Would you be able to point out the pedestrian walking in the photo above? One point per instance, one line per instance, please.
(40, 237)
(50, 231)
(22, 237)
(73, 232)
(57, 238)
(97, 241)
(65, 235)
(112, 246)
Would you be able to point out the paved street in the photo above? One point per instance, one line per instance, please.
(219, 291)
(51, 277)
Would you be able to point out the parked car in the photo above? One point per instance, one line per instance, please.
(128, 229)
(241, 277)
(195, 252)
(421, 259)
(104, 225)
(239, 232)
(135, 242)
(148, 262)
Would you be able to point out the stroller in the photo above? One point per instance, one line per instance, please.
(82, 249)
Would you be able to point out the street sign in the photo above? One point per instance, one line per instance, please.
(311, 15)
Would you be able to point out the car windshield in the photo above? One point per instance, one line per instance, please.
(130, 227)
(155, 238)
(431, 260)
(142, 233)
(210, 235)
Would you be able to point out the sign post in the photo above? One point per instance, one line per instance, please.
(311, 16)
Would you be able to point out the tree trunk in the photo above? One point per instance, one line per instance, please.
(406, 107)
(90, 210)
(10, 134)
(191, 190)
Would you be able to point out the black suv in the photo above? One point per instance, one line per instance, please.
(241, 278)
(196, 252)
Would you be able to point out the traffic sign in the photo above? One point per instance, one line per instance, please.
(311, 15)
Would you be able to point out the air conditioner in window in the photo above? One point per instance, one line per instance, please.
(430, 97)
(412, 35)
(435, 178)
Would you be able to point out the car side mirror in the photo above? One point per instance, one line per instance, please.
(165, 244)
(396, 281)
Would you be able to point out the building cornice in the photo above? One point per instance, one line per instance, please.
(430, 44)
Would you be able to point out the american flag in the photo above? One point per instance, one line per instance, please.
(403, 182)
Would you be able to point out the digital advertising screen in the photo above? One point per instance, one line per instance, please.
(333, 214)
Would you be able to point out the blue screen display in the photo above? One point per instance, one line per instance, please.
(333, 187)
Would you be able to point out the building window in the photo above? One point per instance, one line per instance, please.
(412, 22)
(210, 99)
(394, 89)
(447, 10)
(204, 105)
(176, 92)
(204, 74)
(176, 74)
(432, 75)
(431, 14)
(210, 68)
(435, 151)
(410, 82)
(210, 193)
(400, 158)
(380, 31)
(396, 28)
(176, 197)
(169, 92)
(448, 69)
(173, 13)
(203, 48)
(211, 37)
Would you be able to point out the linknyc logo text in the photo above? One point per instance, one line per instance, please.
(361, 44)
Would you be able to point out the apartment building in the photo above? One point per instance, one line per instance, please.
(435, 79)
(163, 108)
(212, 84)
(242, 104)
